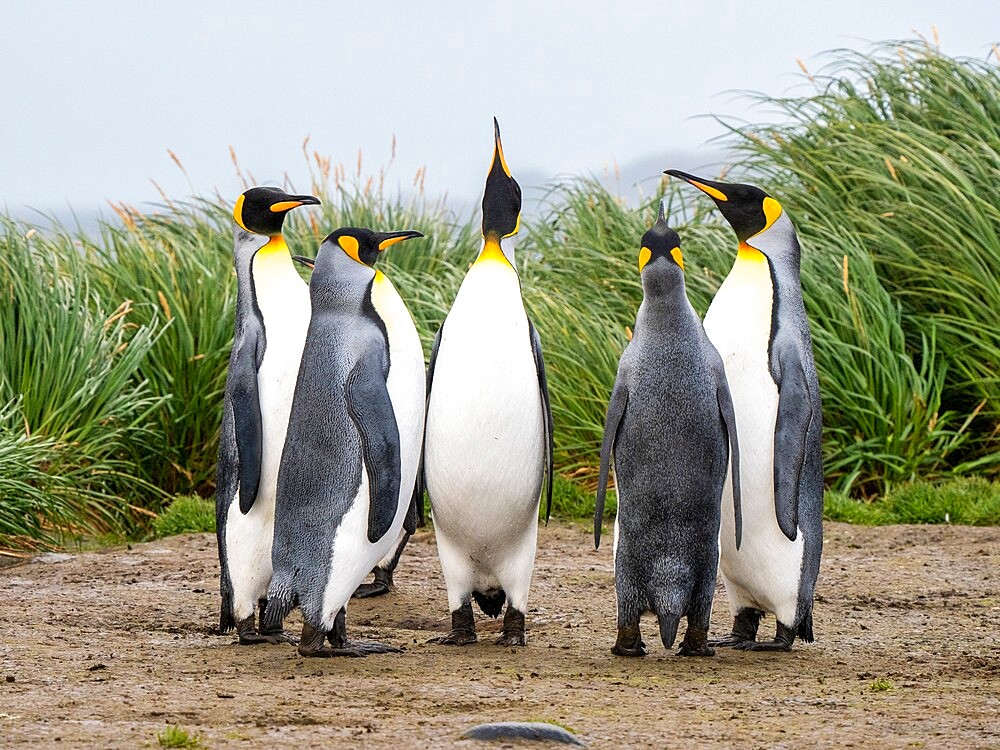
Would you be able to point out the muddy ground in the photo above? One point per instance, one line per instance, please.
(106, 649)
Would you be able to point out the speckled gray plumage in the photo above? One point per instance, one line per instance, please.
(671, 451)
(313, 495)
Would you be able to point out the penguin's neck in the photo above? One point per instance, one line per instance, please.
(497, 251)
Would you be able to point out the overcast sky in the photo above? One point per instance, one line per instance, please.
(95, 93)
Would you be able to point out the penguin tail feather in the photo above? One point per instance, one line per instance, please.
(805, 631)
(226, 621)
(668, 628)
(491, 603)
(273, 616)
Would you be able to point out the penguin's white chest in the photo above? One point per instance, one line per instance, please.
(484, 449)
(283, 299)
(764, 572)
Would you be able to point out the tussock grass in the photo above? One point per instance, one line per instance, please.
(186, 514)
(115, 346)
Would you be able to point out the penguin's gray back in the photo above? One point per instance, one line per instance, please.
(670, 454)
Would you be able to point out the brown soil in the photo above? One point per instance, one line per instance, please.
(106, 649)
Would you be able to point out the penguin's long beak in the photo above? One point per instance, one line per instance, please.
(711, 188)
(498, 149)
(293, 201)
(307, 262)
(388, 239)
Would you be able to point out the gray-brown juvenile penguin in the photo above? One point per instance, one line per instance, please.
(670, 429)
(758, 323)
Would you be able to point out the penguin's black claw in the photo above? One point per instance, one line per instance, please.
(783, 641)
(379, 587)
(456, 638)
(513, 629)
(763, 646)
(463, 628)
(629, 642)
(256, 639)
(367, 590)
(638, 649)
(745, 626)
(695, 643)
(732, 640)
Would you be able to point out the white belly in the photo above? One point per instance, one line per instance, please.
(352, 555)
(485, 435)
(764, 572)
(283, 299)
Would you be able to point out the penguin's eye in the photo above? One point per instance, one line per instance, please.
(350, 246)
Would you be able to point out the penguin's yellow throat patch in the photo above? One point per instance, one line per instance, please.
(491, 253)
(275, 244)
(750, 254)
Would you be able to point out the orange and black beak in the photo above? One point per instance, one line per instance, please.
(715, 190)
(386, 240)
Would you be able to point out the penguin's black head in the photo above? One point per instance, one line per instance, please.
(262, 210)
(661, 265)
(364, 245)
(748, 209)
(502, 199)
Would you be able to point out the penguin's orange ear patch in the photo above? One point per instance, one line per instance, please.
(678, 257)
(238, 213)
(350, 246)
(772, 210)
(644, 255)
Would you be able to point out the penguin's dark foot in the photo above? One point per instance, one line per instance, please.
(745, 626)
(629, 642)
(783, 641)
(381, 585)
(249, 636)
(733, 640)
(367, 590)
(513, 629)
(463, 628)
(695, 643)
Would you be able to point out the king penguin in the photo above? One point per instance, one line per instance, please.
(757, 321)
(272, 315)
(670, 430)
(489, 429)
(352, 451)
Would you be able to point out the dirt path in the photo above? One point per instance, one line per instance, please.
(106, 649)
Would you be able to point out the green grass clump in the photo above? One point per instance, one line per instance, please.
(186, 514)
(890, 170)
(178, 737)
(967, 501)
(880, 685)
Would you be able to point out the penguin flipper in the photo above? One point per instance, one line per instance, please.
(543, 388)
(421, 484)
(616, 410)
(729, 420)
(370, 409)
(794, 416)
(246, 412)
